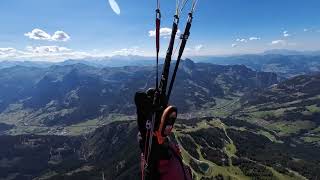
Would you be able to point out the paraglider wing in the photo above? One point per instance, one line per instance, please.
(115, 7)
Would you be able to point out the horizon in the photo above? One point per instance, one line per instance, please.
(33, 31)
(282, 52)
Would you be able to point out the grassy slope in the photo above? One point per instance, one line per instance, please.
(230, 149)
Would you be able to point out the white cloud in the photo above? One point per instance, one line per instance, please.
(59, 53)
(311, 30)
(195, 50)
(286, 34)
(60, 36)
(164, 32)
(241, 40)
(7, 50)
(129, 51)
(279, 42)
(47, 49)
(254, 38)
(115, 7)
(39, 34)
(198, 47)
(43, 53)
(244, 40)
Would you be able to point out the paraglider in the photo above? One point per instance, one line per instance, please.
(161, 159)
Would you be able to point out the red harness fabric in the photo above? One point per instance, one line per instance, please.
(172, 169)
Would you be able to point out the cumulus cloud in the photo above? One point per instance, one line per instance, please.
(286, 34)
(254, 38)
(279, 42)
(234, 45)
(242, 40)
(60, 36)
(38, 34)
(164, 32)
(305, 30)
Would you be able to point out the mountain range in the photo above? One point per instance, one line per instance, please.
(243, 145)
(71, 94)
(77, 121)
(286, 63)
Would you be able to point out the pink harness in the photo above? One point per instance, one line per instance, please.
(172, 169)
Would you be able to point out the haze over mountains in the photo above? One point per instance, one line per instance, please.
(76, 119)
(286, 63)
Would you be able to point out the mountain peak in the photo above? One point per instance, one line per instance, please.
(188, 63)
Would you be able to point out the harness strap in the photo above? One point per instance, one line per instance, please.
(158, 22)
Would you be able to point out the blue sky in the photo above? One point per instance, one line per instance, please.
(90, 28)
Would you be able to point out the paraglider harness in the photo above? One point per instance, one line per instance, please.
(155, 116)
